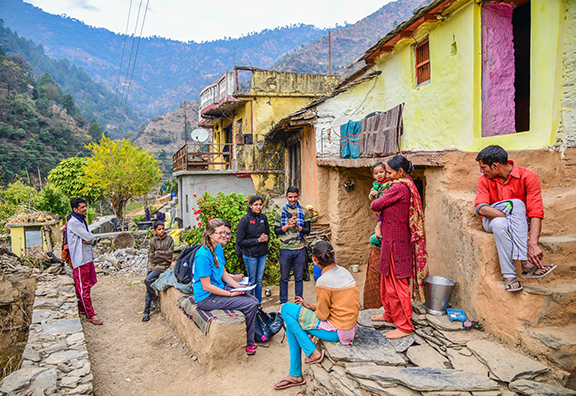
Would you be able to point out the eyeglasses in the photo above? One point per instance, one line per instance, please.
(224, 234)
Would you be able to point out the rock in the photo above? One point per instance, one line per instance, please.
(370, 386)
(343, 384)
(390, 389)
(85, 389)
(72, 339)
(487, 393)
(462, 337)
(45, 379)
(65, 357)
(69, 381)
(443, 323)
(466, 363)
(504, 364)
(419, 308)
(425, 378)
(62, 326)
(369, 346)
(533, 388)
(418, 340)
(20, 379)
(123, 240)
(402, 344)
(322, 377)
(364, 319)
(115, 262)
(435, 393)
(61, 346)
(327, 365)
(465, 352)
(31, 354)
(426, 356)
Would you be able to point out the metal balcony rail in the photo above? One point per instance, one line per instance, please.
(212, 156)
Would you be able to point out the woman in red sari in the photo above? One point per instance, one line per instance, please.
(403, 257)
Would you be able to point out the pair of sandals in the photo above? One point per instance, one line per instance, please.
(514, 285)
(289, 382)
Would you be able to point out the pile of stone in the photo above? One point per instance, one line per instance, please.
(127, 261)
(55, 359)
(440, 358)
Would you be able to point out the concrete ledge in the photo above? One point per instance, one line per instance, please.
(224, 342)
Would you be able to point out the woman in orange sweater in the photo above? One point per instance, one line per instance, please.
(332, 319)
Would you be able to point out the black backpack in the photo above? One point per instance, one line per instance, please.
(267, 325)
(185, 264)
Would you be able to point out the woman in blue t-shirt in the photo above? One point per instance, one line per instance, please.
(210, 276)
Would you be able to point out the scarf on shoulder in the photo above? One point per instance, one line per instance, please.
(81, 218)
(299, 216)
(418, 239)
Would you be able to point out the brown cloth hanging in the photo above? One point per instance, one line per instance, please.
(389, 130)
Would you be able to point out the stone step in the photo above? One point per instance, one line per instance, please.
(559, 206)
(561, 251)
(555, 343)
(557, 302)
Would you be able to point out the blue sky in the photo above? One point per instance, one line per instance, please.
(210, 20)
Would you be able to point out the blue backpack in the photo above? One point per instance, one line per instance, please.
(184, 268)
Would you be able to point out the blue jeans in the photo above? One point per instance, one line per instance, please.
(299, 340)
(255, 267)
(296, 260)
(150, 292)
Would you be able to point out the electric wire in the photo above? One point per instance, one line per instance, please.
(135, 58)
(122, 57)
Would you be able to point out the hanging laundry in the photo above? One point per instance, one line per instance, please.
(349, 139)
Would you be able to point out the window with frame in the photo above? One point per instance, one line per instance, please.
(422, 52)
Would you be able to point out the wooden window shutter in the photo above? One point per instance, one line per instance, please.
(422, 62)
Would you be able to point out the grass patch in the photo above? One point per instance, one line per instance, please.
(134, 207)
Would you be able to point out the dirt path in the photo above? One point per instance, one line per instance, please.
(129, 357)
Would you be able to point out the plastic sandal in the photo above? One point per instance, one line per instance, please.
(530, 274)
(288, 383)
(508, 283)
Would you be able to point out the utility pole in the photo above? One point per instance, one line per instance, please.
(39, 177)
(185, 126)
(329, 53)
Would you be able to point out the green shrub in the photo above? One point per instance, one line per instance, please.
(233, 207)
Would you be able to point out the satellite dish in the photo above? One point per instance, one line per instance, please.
(199, 135)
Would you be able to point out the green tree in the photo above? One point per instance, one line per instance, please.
(94, 130)
(14, 197)
(68, 177)
(68, 104)
(52, 200)
(120, 169)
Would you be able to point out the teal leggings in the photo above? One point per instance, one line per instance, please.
(299, 339)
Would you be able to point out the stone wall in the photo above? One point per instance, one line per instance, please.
(567, 132)
(55, 360)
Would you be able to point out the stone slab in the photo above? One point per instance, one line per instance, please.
(425, 378)
(345, 386)
(366, 314)
(443, 323)
(533, 388)
(401, 344)
(453, 393)
(369, 346)
(468, 363)
(20, 379)
(65, 357)
(426, 356)
(503, 363)
(46, 379)
(61, 327)
(462, 337)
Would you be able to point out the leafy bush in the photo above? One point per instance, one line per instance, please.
(232, 207)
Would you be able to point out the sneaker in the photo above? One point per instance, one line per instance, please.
(253, 346)
(154, 304)
(250, 350)
(145, 318)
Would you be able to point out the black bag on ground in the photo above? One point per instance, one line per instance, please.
(267, 325)
(185, 264)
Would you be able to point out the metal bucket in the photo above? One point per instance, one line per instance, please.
(438, 292)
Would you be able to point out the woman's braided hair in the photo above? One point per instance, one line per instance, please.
(209, 230)
(324, 252)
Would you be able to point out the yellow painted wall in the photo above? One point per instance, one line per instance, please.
(445, 112)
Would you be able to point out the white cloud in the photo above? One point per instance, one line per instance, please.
(209, 20)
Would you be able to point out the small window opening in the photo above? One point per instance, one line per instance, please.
(422, 62)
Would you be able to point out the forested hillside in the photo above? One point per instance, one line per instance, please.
(94, 100)
(167, 72)
(350, 42)
(39, 125)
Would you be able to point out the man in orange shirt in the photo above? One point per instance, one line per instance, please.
(510, 200)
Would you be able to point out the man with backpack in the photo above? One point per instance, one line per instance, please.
(160, 256)
(82, 257)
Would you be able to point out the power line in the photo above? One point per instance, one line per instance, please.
(122, 57)
(135, 58)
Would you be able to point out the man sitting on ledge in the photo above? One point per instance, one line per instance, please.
(507, 194)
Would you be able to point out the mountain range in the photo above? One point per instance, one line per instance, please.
(168, 72)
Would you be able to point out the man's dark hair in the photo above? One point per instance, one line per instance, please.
(227, 224)
(75, 202)
(293, 189)
(158, 224)
(492, 154)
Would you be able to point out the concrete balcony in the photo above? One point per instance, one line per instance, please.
(217, 99)
(194, 157)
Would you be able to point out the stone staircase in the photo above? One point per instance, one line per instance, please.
(553, 333)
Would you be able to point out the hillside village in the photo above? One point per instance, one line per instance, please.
(453, 78)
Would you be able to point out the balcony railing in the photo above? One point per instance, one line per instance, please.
(194, 157)
(217, 93)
